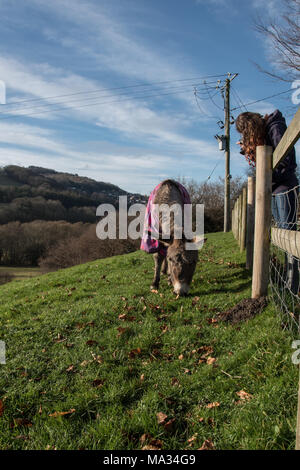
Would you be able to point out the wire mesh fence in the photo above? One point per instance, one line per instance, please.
(285, 256)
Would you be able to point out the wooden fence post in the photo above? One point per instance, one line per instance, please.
(298, 418)
(234, 220)
(260, 278)
(240, 219)
(243, 219)
(250, 221)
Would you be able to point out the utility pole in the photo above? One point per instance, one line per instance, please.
(227, 153)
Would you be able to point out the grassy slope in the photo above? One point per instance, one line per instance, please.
(45, 323)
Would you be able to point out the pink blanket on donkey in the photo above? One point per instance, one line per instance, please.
(150, 242)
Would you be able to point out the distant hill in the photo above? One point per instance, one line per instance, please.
(32, 193)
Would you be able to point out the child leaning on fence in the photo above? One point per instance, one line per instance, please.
(268, 130)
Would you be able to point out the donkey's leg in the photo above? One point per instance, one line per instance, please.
(164, 268)
(158, 259)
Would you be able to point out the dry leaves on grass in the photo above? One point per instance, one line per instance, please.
(134, 352)
(214, 404)
(98, 383)
(20, 422)
(161, 417)
(207, 445)
(62, 413)
(210, 360)
(151, 443)
(126, 317)
(121, 331)
(91, 342)
(175, 381)
(168, 424)
(244, 396)
(192, 439)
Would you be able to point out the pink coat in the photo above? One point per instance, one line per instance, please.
(150, 242)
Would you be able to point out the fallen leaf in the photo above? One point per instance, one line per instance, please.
(142, 377)
(134, 352)
(70, 368)
(174, 381)
(59, 339)
(91, 342)
(150, 447)
(152, 444)
(85, 363)
(212, 321)
(192, 439)
(161, 417)
(62, 413)
(210, 360)
(121, 331)
(21, 422)
(154, 291)
(244, 395)
(180, 357)
(169, 425)
(207, 445)
(215, 404)
(97, 358)
(98, 383)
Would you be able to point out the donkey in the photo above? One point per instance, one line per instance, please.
(170, 252)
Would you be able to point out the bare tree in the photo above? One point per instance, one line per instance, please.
(283, 34)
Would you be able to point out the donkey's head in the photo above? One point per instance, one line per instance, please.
(181, 266)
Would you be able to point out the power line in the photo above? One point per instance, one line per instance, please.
(48, 105)
(115, 88)
(200, 108)
(93, 104)
(238, 99)
(211, 98)
(215, 167)
(262, 99)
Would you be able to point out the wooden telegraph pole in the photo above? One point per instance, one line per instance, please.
(227, 158)
(227, 153)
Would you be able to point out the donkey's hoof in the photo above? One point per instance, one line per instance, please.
(154, 287)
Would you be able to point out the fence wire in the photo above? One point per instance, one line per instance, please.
(284, 265)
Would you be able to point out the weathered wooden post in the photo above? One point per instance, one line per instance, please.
(260, 278)
(298, 418)
(235, 220)
(240, 218)
(250, 221)
(244, 219)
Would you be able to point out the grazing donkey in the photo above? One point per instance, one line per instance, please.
(169, 253)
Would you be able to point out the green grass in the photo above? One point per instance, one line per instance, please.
(47, 321)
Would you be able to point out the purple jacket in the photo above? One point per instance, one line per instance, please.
(284, 176)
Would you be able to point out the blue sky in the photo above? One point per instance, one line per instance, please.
(91, 50)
